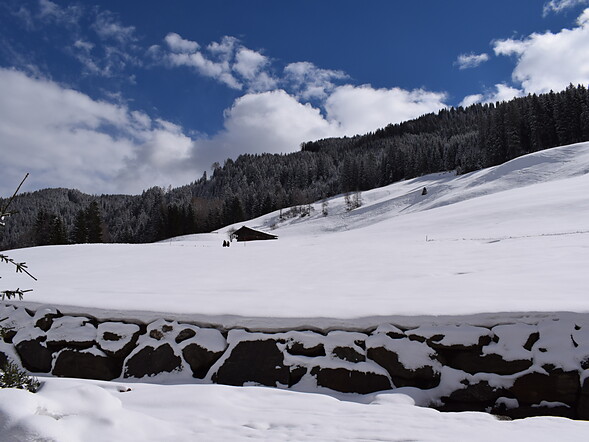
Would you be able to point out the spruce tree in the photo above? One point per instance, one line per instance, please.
(93, 223)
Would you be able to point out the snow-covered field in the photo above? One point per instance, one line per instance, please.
(514, 238)
(510, 241)
(72, 410)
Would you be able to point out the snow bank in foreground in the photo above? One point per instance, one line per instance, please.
(512, 238)
(75, 410)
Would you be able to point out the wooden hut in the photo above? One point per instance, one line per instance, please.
(246, 234)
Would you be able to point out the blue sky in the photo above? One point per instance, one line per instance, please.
(119, 96)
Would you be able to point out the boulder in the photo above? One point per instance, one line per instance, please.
(558, 386)
(474, 397)
(532, 339)
(298, 349)
(117, 339)
(473, 362)
(46, 321)
(424, 377)
(185, 334)
(348, 354)
(296, 374)
(583, 404)
(526, 411)
(149, 361)
(86, 365)
(350, 381)
(34, 356)
(8, 335)
(71, 332)
(200, 359)
(260, 362)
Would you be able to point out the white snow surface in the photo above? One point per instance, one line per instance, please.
(71, 410)
(508, 245)
(512, 238)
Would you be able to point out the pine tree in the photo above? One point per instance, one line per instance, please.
(80, 232)
(93, 223)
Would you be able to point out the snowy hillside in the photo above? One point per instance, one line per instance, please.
(513, 238)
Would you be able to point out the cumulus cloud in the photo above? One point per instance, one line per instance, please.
(252, 66)
(179, 44)
(272, 122)
(500, 92)
(561, 5)
(361, 109)
(182, 52)
(66, 139)
(472, 99)
(468, 61)
(310, 82)
(550, 61)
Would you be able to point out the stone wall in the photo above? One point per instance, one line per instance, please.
(516, 369)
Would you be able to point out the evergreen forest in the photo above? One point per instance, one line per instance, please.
(454, 139)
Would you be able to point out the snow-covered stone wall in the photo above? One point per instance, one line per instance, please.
(516, 368)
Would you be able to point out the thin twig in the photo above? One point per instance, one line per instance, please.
(5, 209)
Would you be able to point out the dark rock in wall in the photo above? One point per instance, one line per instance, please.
(116, 339)
(348, 354)
(558, 386)
(350, 381)
(150, 361)
(474, 362)
(298, 349)
(85, 365)
(9, 335)
(474, 397)
(35, 356)
(254, 361)
(583, 404)
(46, 321)
(185, 334)
(423, 377)
(200, 359)
(296, 374)
(532, 339)
(525, 411)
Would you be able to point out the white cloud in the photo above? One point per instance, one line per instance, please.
(273, 122)
(467, 61)
(561, 5)
(66, 139)
(500, 92)
(179, 44)
(186, 53)
(362, 109)
(224, 49)
(252, 67)
(472, 99)
(109, 28)
(52, 12)
(310, 82)
(550, 61)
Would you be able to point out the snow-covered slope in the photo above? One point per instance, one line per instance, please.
(512, 238)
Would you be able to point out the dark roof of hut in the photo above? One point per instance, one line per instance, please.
(246, 234)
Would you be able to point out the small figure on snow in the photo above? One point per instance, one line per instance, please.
(424, 191)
